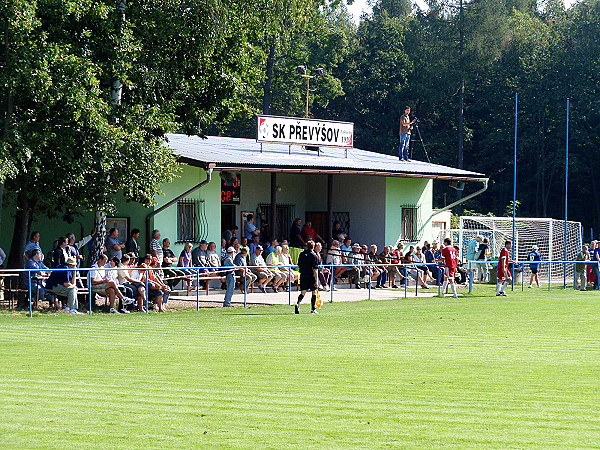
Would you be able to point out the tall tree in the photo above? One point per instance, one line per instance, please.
(63, 129)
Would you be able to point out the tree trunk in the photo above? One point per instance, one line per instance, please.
(23, 218)
(99, 238)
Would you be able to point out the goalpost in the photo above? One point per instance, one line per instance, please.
(547, 234)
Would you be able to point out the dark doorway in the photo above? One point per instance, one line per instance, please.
(228, 217)
(319, 222)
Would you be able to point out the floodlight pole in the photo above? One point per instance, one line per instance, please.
(566, 195)
(308, 78)
(514, 205)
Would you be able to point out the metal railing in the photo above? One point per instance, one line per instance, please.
(207, 273)
(472, 265)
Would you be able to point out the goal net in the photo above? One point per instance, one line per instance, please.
(547, 234)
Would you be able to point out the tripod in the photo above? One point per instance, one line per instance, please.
(416, 127)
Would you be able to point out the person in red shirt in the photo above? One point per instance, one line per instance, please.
(450, 260)
(309, 233)
(504, 275)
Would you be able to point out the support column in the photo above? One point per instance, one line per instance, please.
(274, 228)
(329, 222)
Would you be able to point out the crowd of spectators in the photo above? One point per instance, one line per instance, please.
(121, 273)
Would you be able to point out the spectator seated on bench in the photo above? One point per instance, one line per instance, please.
(262, 272)
(64, 283)
(126, 277)
(156, 288)
(273, 263)
(334, 256)
(102, 284)
(185, 260)
(241, 260)
(286, 259)
(38, 278)
(173, 275)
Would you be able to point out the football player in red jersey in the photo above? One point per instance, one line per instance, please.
(504, 275)
(450, 260)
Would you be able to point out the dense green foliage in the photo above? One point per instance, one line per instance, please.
(398, 56)
(545, 54)
(202, 67)
(516, 372)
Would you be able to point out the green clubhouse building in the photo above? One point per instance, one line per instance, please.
(376, 198)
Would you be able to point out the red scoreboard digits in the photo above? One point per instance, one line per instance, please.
(230, 191)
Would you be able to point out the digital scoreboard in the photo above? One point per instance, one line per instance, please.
(230, 190)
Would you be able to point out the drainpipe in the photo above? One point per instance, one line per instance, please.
(458, 202)
(175, 200)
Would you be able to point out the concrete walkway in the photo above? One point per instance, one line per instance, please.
(343, 294)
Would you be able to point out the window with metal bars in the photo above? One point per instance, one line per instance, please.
(410, 223)
(285, 216)
(192, 224)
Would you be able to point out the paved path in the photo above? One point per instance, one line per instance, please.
(343, 294)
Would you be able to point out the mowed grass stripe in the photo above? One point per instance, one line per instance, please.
(412, 372)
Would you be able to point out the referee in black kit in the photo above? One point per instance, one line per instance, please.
(308, 265)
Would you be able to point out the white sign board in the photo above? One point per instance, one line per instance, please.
(292, 130)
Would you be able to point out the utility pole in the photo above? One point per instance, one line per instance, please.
(461, 98)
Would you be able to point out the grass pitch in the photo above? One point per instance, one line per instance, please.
(480, 371)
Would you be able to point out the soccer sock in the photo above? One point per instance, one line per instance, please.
(300, 297)
(313, 302)
(444, 286)
(503, 289)
(454, 288)
(498, 287)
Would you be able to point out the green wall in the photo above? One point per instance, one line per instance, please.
(408, 191)
(166, 221)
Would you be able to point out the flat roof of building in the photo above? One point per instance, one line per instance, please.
(227, 153)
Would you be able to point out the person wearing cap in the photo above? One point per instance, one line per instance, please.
(473, 253)
(262, 272)
(246, 275)
(534, 255)
(63, 283)
(356, 258)
(229, 276)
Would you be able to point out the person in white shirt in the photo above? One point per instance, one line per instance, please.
(102, 284)
(261, 270)
(334, 256)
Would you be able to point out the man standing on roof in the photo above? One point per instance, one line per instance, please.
(405, 128)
